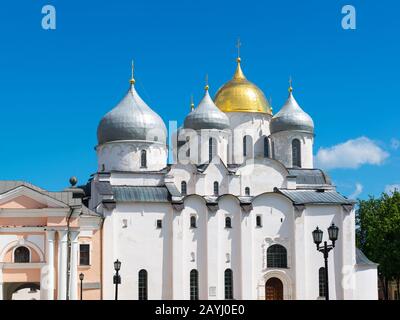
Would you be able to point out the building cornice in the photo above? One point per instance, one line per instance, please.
(29, 265)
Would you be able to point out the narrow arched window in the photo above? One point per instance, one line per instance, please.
(244, 146)
(276, 256)
(258, 221)
(322, 287)
(142, 285)
(183, 188)
(266, 147)
(212, 149)
(296, 153)
(228, 222)
(143, 159)
(228, 277)
(188, 147)
(193, 222)
(21, 255)
(194, 285)
(216, 188)
(247, 191)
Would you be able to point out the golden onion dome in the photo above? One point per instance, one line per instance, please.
(241, 95)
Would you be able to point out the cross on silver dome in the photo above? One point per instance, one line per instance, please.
(131, 119)
(206, 116)
(291, 117)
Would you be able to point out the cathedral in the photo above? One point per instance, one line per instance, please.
(230, 217)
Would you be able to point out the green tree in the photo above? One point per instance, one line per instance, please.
(378, 235)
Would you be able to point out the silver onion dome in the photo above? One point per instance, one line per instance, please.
(206, 116)
(291, 117)
(131, 119)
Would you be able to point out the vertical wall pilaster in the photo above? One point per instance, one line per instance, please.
(300, 280)
(348, 281)
(213, 270)
(47, 272)
(246, 257)
(177, 257)
(62, 264)
(73, 280)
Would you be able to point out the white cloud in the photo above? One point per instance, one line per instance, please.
(351, 154)
(357, 191)
(391, 187)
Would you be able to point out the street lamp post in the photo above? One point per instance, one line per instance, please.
(81, 277)
(333, 232)
(117, 277)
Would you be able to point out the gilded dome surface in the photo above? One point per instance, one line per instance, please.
(241, 95)
(131, 119)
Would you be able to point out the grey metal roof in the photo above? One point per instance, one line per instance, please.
(309, 176)
(7, 185)
(245, 199)
(206, 116)
(141, 194)
(203, 167)
(291, 117)
(233, 166)
(361, 258)
(131, 119)
(163, 170)
(63, 196)
(172, 189)
(211, 199)
(103, 187)
(314, 197)
(66, 197)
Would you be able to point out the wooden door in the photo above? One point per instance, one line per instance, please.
(274, 289)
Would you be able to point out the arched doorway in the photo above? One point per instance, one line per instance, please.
(274, 289)
(21, 291)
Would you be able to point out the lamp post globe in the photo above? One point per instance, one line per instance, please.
(117, 265)
(317, 236)
(333, 232)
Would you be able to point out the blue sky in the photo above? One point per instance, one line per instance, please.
(55, 85)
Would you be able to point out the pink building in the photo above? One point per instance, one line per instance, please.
(46, 240)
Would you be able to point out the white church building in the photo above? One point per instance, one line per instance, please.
(230, 218)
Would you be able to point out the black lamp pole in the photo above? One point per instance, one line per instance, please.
(117, 277)
(317, 234)
(81, 277)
